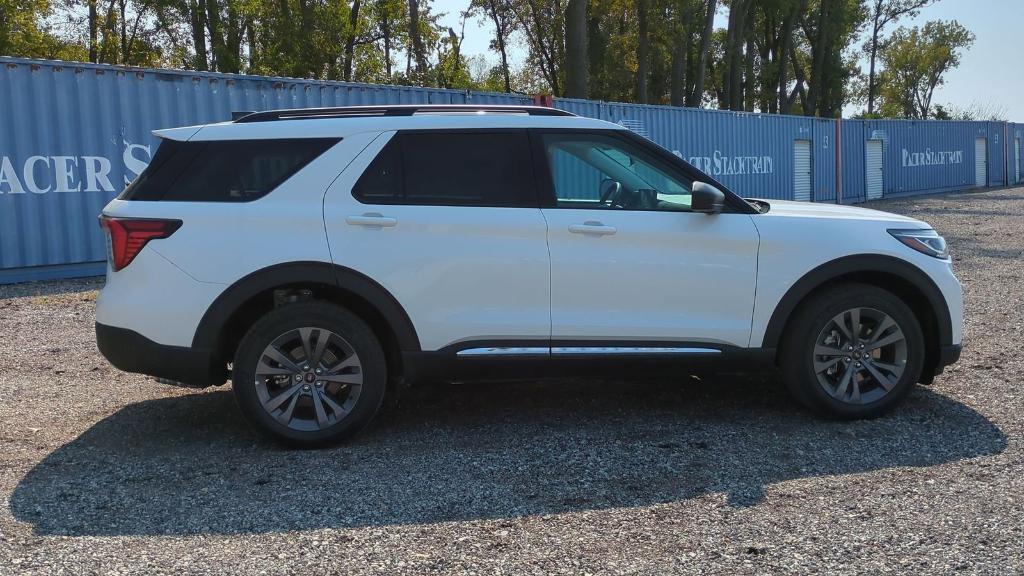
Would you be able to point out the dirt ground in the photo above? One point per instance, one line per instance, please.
(112, 473)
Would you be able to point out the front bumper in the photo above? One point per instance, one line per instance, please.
(132, 352)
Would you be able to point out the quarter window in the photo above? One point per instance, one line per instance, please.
(223, 170)
(451, 169)
(595, 171)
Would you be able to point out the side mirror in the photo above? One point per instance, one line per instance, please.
(706, 199)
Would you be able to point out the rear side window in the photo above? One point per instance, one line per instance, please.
(224, 170)
(451, 169)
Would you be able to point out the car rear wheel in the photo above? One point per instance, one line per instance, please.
(852, 351)
(309, 373)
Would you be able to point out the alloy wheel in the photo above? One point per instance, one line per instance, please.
(860, 355)
(309, 378)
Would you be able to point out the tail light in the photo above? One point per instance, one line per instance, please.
(129, 235)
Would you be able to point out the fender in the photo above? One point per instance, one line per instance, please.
(209, 330)
(861, 263)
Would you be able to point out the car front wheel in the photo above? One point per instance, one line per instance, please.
(852, 351)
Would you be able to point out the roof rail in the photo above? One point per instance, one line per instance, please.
(400, 110)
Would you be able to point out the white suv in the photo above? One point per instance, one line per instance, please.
(323, 258)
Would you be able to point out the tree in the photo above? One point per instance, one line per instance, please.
(388, 31)
(576, 60)
(643, 48)
(735, 34)
(916, 61)
(883, 13)
(419, 52)
(502, 16)
(696, 91)
(828, 27)
(544, 27)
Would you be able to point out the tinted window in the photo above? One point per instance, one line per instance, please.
(451, 169)
(223, 171)
(382, 181)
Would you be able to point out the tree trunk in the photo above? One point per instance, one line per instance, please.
(798, 73)
(213, 24)
(197, 10)
(783, 58)
(576, 49)
(304, 68)
(696, 95)
(642, 50)
(233, 40)
(385, 32)
(350, 40)
(122, 10)
(680, 57)
(734, 54)
(505, 76)
(94, 27)
(871, 66)
(819, 49)
(419, 52)
(499, 37)
(749, 78)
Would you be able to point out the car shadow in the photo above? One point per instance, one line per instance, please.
(189, 464)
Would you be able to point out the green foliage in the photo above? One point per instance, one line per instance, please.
(776, 56)
(24, 31)
(916, 61)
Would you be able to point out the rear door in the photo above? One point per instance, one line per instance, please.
(631, 266)
(448, 222)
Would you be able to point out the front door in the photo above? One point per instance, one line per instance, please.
(629, 262)
(448, 223)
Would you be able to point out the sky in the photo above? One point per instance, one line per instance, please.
(990, 74)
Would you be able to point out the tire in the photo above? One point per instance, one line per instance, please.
(280, 391)
(879, 379)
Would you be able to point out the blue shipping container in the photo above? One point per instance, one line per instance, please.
(72, 135)
(932, 156)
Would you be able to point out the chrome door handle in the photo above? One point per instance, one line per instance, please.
(593, 228)
(372, 220)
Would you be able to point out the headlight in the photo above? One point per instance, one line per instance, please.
(924, 241)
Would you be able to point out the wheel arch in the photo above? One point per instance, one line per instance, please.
(903, 279)
(234, 311)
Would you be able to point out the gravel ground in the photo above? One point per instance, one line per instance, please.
(105, 472)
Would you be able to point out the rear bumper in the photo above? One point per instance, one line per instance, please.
(948, 355)
(132, 352)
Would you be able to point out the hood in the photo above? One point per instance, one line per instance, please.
(792, 209)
